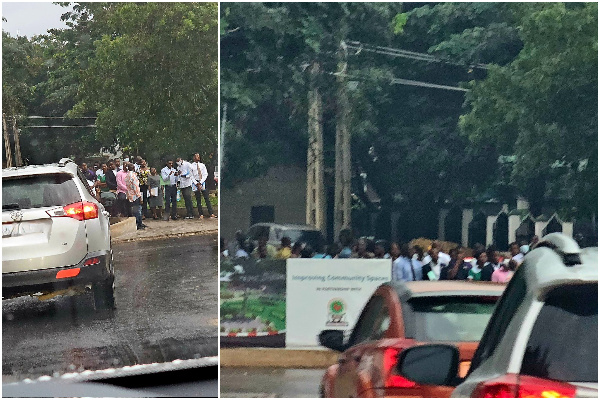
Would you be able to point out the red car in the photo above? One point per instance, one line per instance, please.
(401, 315)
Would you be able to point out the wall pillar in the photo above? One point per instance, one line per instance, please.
(467, 217)
(514, 221)
(567, 229)
(442, 224)
(489, 229)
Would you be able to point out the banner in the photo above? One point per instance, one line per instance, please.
(328, 294)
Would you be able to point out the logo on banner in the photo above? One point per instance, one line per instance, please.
(336, 313)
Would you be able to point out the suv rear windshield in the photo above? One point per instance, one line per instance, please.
(452, 319)
(564, 341)
(39, 191)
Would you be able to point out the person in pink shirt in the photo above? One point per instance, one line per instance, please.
(505, 272)
(122, 203)
(134, 195)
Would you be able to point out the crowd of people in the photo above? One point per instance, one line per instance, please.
(135, 189)
(409, 262)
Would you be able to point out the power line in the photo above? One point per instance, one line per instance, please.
(359, 47)
(408, 82)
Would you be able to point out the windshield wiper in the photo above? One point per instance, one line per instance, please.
(10, 206)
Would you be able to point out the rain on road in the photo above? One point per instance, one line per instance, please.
(167, 308)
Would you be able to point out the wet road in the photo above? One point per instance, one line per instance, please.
(270, 382)
(167, 306)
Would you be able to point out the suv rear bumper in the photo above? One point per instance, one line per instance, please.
(44, 280)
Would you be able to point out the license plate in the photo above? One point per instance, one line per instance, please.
(21, 228)
(7, 230)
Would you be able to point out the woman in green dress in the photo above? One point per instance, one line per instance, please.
(155, 201)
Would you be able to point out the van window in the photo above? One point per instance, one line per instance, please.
(564, 341)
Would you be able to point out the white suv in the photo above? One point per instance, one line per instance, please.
(542, 339)
(55, 234)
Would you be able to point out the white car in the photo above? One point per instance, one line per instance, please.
(55, 234)
(542, 339)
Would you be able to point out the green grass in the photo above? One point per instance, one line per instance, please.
(266, 309)
(214, 201)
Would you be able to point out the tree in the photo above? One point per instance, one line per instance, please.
(542, 107)
(153, 77)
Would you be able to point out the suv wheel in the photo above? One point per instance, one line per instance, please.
(104, 298)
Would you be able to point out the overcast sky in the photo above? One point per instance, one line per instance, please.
(29, 18)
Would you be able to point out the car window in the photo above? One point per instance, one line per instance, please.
(455, 319)
(382, 323)
(39, 191)
(506, 309)
(363, 329)
(563, 344)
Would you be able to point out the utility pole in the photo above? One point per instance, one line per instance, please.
(7, 148)
(343, 173)
(315, 185)
(222, 141)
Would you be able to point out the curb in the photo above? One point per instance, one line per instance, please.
(120, 228)
(277, 358)
(158, 237)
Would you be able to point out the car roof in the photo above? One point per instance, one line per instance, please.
(69, 167)
(408, 290)
(547, 267)
(286, 226)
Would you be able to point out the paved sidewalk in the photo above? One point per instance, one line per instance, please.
(158, 229)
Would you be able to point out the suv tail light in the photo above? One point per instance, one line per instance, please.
(390, 359)
(80, 211)
(523, 386)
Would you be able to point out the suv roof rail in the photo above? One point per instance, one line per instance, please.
(64, 161)
(564, 245)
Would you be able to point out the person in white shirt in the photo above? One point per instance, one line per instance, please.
(443, 257)
(185, 185)
(169, 176)
(200, 175)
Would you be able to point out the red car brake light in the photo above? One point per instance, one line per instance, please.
(81, 210)
(523, 386)
(390, 359)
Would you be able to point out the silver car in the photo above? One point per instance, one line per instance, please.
(542, 339)
(55, 234)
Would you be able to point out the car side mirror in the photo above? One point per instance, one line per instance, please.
(333, 339)
(432, 364)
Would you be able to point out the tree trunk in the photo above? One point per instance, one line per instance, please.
(343, 173)
(18, 158)
(315, 183)
(7, 148)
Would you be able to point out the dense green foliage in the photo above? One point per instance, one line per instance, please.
(531, 69)
(147, 71)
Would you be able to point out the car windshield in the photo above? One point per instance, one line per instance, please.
(298, 235)
(39, 191)
(452, 319)
(563, 344)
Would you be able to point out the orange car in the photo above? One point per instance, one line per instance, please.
(400, 315)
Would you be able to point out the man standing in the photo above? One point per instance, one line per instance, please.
(134, 195)
(185, 185)
(111, 179)
(122, 205)
(117, 166)
(169, 175)
(89, 175)
(200, 174)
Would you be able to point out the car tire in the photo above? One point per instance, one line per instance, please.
(104, 297)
